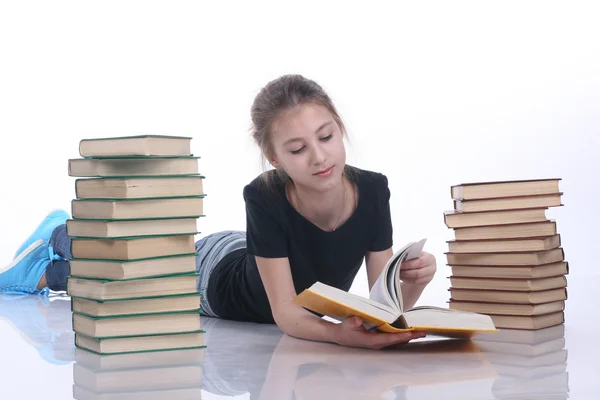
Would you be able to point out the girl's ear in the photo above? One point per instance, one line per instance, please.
(274, 162)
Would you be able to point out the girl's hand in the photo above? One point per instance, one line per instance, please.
(419, 271)
(352, 333)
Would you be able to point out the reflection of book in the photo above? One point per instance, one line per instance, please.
(532, 350)
(555, 386)
(383, 309)
(552, 358)
(530, 363)
(175, 374)
(97, 362)
(195, 393)
(524, 336)
(421, 370)
(173, 377)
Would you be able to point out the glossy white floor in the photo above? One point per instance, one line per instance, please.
(253, 361)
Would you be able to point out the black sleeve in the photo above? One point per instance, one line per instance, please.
(382, 221)
(265, 234)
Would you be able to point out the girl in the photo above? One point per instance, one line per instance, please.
(312, 217)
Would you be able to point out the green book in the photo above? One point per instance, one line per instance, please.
(139, 187)
(141, 344)
(137, 145)
(106, 289)
(133, 269)
(133, 166)
(132, 248)
(136, 209)
(136, 325)
(140, 306)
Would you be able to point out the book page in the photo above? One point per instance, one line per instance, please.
(382, 292)
(414, 251)
(386, 289)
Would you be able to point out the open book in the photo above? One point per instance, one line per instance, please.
(384, 311)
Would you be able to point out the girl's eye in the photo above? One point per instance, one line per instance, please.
(297, 151)
(326, 138)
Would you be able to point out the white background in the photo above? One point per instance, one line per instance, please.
(433, 94)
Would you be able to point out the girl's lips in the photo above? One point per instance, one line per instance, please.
(325, 173)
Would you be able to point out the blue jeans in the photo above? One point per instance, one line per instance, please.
(210, 250)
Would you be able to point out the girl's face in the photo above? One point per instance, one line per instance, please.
(307, 144)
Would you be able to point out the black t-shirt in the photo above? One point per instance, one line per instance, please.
(275, 229)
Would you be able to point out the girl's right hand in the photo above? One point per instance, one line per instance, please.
(352, 333)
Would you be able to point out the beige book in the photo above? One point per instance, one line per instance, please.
(496, 189)
(132, 166)
(504, 245)
(136, 325)
(524, 337)
(528, 322)
(130, 289)
(455, 219)
(139, 187)
(514, 258)
(520, 285)
(132, 344)
(138, 209)
(509, 203)
(140, 145)
(132, 248)
(125, 228)
(150, 305)
(498, 296)
(513, 271)
(508, 231)
(143, 268)
(507, 309)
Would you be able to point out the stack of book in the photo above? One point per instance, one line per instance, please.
(506, 257)
(134, 218)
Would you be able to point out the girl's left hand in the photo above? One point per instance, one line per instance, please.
(419, 271)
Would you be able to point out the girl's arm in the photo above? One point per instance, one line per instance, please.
(415, 274)
(295, 321)
(290, 317)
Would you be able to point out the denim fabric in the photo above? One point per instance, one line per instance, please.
(58, 270)
(211, 249)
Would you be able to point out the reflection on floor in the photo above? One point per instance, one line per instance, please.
(258, 359)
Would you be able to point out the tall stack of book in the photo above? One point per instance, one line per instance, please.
(134, 218)
(506, 257)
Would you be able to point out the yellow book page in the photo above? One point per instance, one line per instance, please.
(334, 309)
(435, 330)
